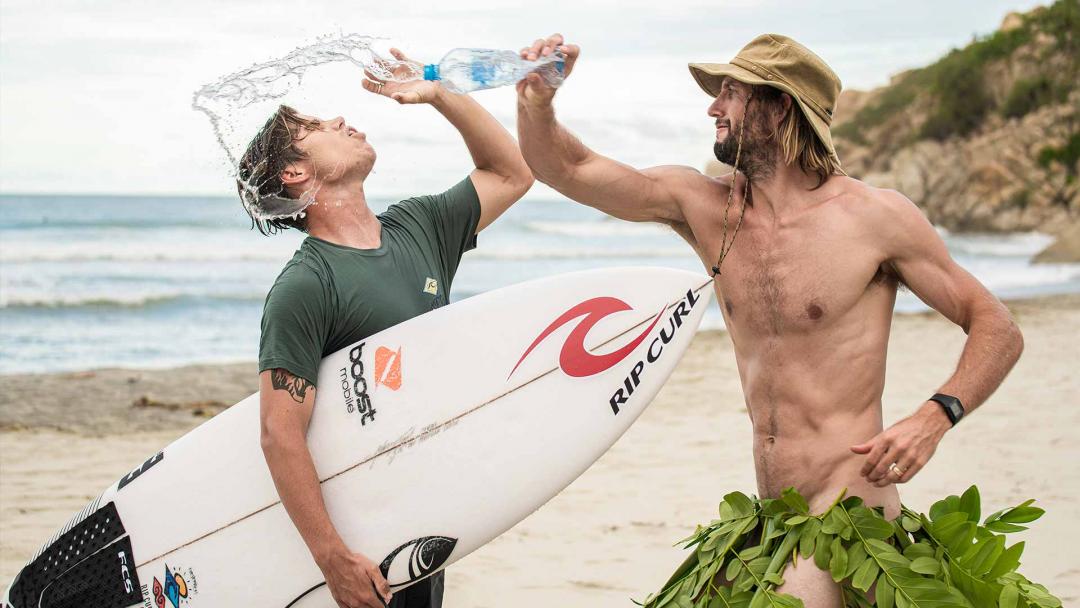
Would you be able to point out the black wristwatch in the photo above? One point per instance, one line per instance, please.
(952, 406)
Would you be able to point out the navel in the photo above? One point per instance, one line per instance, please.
(730, 308)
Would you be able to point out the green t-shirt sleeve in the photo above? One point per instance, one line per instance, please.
(453, 215)
(295, 324)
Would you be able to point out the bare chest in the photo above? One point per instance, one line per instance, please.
(795, 279)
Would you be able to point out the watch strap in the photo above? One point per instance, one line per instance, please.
(952, 406)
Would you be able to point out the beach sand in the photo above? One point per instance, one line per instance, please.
(608, 537)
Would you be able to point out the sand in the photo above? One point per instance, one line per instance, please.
(608, 537)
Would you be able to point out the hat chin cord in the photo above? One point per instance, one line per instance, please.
(725, 245)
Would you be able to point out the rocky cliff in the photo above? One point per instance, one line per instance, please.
(988, 137)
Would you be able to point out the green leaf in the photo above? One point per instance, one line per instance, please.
(910, 524)
(993, 516)
(808, 538)
(865, 575)
(856, 554)
(970, 503)
(838, 563)
(1004, 528)
(1022, 515)
(919, 591)
(750, 553)
(918, 550)
(726, 512)
(740, 504)
(979, 591)
(983, 555)
(869, 524)
(926, 565)
(784, 552)
(771, 507)
(823, 551)
(772, 577)
(1009, 561)
(885, 592)
(796, 520)
(943, 524)
(887, 555)
(944, 507)
(833, 522)
(1009, 598)
(734, 568)
(796, 501)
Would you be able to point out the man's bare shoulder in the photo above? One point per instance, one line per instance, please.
(685, 186)
(678, 176)
(896, 225)
(882, 208)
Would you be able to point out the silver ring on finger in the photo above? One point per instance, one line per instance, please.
(897, 469)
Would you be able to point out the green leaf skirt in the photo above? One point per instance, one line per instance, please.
(944, 559)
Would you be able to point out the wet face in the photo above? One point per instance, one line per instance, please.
(734, 105)
(335, 151)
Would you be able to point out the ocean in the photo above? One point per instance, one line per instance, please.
(148, 282)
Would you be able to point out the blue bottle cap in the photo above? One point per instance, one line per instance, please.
(431, 71)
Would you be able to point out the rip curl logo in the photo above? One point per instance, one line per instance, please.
(388, 368)
(416, 559)
(574, 359)
(431, 286)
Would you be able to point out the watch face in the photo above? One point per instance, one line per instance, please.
(951, 405)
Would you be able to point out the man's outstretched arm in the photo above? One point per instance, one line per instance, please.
(501, 177)
(561, 161)
(918, 255)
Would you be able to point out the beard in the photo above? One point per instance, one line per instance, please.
(759, 150)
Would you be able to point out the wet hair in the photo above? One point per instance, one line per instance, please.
(259, 171)
(797, 140)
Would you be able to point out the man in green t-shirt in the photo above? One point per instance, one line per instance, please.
(356, 274)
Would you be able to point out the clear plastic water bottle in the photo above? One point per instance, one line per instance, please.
(464, 70)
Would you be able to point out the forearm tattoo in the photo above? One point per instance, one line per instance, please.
(296, 387)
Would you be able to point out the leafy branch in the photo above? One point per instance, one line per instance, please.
(942, 560)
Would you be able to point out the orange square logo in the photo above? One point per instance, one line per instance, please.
(388, 368)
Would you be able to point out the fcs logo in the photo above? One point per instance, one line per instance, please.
(388, 368)
(125, 572)
(574, 360)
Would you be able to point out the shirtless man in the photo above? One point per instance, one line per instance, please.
(808, 287)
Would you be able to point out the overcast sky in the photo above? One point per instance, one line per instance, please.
(95, 97)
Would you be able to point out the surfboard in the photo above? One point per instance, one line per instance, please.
(430, 439)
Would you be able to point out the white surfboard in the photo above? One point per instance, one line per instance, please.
(430, 439)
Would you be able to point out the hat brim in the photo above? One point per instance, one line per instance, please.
(710, 75)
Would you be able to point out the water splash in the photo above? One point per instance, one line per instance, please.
(272, 80)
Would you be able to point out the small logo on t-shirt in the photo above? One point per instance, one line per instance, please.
(431, 286)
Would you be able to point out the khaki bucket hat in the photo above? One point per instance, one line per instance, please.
(780, 62)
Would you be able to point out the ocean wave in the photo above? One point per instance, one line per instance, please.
(119, 301)
(212, 252)
(38, 224)
(1020, 244)
(146, 252)
(584, 253)
(600, 228)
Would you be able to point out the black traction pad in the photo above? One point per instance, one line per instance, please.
(89, 565)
